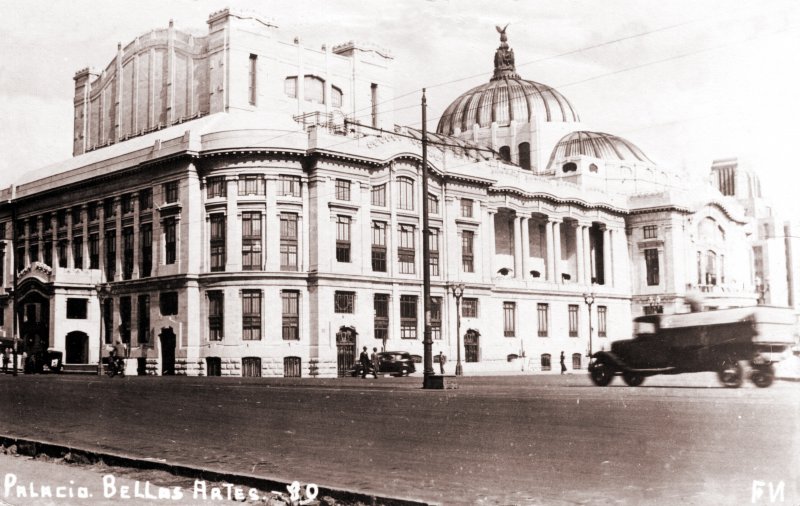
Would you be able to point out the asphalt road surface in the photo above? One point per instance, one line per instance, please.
(495, 440)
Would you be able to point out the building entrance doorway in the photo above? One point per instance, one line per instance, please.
(345, 350)
(167, 352)
(472, 346)
(77, 348)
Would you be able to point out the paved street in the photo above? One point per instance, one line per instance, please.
(495, 440)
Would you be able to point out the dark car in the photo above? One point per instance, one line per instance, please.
(396, 363)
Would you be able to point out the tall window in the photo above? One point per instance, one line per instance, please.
(168, 303)
(288, 242)
(290, 315)
(378, 246)
(145, 199)
(343, 239)
(252, 81)
(467, 251)
(251, 241)
(408, 316)
(650, 231)
(170, 241)
(379, 195)
(251, 315)
(433, 204)
(108, 319)
(216, 187)
(314, 89)
(405, 193)
(94, 251)
(109, 209)
(433, 248)
(374, 103)
(127, 252)
(217, 242)
(125, 319)
(545, 361)
(290, 87)
(381, 308)
(251, 184)
(342, 189)
(573, 320)
(77, 217)
(505, 153)
(111, 254)
(77, 252)
(469, 307)
(543, 313)
(143, 321)
(289, 186)
(146, 241)
(91, 210)
(61, 217)
(336, 97)
(651, 264)
(62, 253)
(251, 367)
(405, 249)
(436, 317)
(216, 314)
(466, 208)
(509, 319)
(344, 302)
(576, 360)
(292, 367)
(127, 203)
(170, 193)
(525, 155)
(601, 321)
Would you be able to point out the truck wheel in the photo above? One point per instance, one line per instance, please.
(730, 374)
(601, 373)
(632, 379)
(762, 377)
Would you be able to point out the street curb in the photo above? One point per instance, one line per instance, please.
(33, 448)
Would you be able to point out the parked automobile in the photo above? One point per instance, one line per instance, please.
(396, 363)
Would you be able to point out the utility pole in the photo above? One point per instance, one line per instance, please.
(15, 250)
(426, 256)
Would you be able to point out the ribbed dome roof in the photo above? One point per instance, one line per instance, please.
(599, 145)
(504, 98)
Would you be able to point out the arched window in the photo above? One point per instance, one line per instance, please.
(576, 360)
(290, 87)
(525, 155)
(592, 167)
(711, 268)
(405, 193)
(336, 97)
(505, 153)
(314, 89)
(545, 361)
(569, 167)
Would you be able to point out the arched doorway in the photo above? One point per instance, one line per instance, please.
(77, 348)
(472, 346)
(345, 350)
(167, 351)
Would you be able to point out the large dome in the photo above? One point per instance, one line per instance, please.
(598, 145)
(504, 98)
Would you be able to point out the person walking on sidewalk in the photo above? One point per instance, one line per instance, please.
(6, 358)
(375, 361)
(363, 359)
(563, 365)
(442, 360)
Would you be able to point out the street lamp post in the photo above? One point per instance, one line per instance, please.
(654, 305)
(458, 292)
(102, 292)
(588, 297)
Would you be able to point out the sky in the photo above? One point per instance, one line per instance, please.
(688, 81)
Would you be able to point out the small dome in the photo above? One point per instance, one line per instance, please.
(598, 145)
(504, 98)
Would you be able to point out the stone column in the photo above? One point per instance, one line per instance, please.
(557, 250)
(40, 238)
(27, 243)
(526, 246)
(136, 236)
(85, 232)
(587, 257)
(549, 257)
(101, 236)
(70, 259)
(608, 269)
(118, 255)
(488, 246)
(518, 248)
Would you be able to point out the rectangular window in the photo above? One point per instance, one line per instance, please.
(342, 189)
(217, 242)
(146, 243)
(651, 264)
(406, 249)
(251, 367)
(47, 254)
(378, 246)
(408, 316)
(19, 259)
(509, 319)
(168, 303)
(94, 251)
(33, 252)
(601, 321)
(405, 193)
(125, 319)
(62, 253)
(251, 315)
(290, 315)
(77, 251)
(650, 231)
(379, 195)
(170, 241)
(77, 218)
(436, 318)
(61, 217)
(433, 204)
(77, 309)
(111, 254)
(91, 210)
(253, 184)
(109, 209)
(288, 242)
(108, 319)
(374, 103)
(143, 327)
(467, 251)
(127, 252)
(171, 192)
(573, 320)
(543, 314)
(433, 250)
(251, 241)
(145, 199)
(252, 90)
(343, 239)
(466, 208)
(216, 187)
(469, 308)
(289, 186)
(344, 302)
(381, 308)
(127, 203)
(216, 315)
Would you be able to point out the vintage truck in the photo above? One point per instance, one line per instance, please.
(716, 341)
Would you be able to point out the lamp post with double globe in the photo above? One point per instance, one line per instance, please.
(458, 292)
(589, 297)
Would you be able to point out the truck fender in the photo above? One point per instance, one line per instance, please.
(609, 358)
